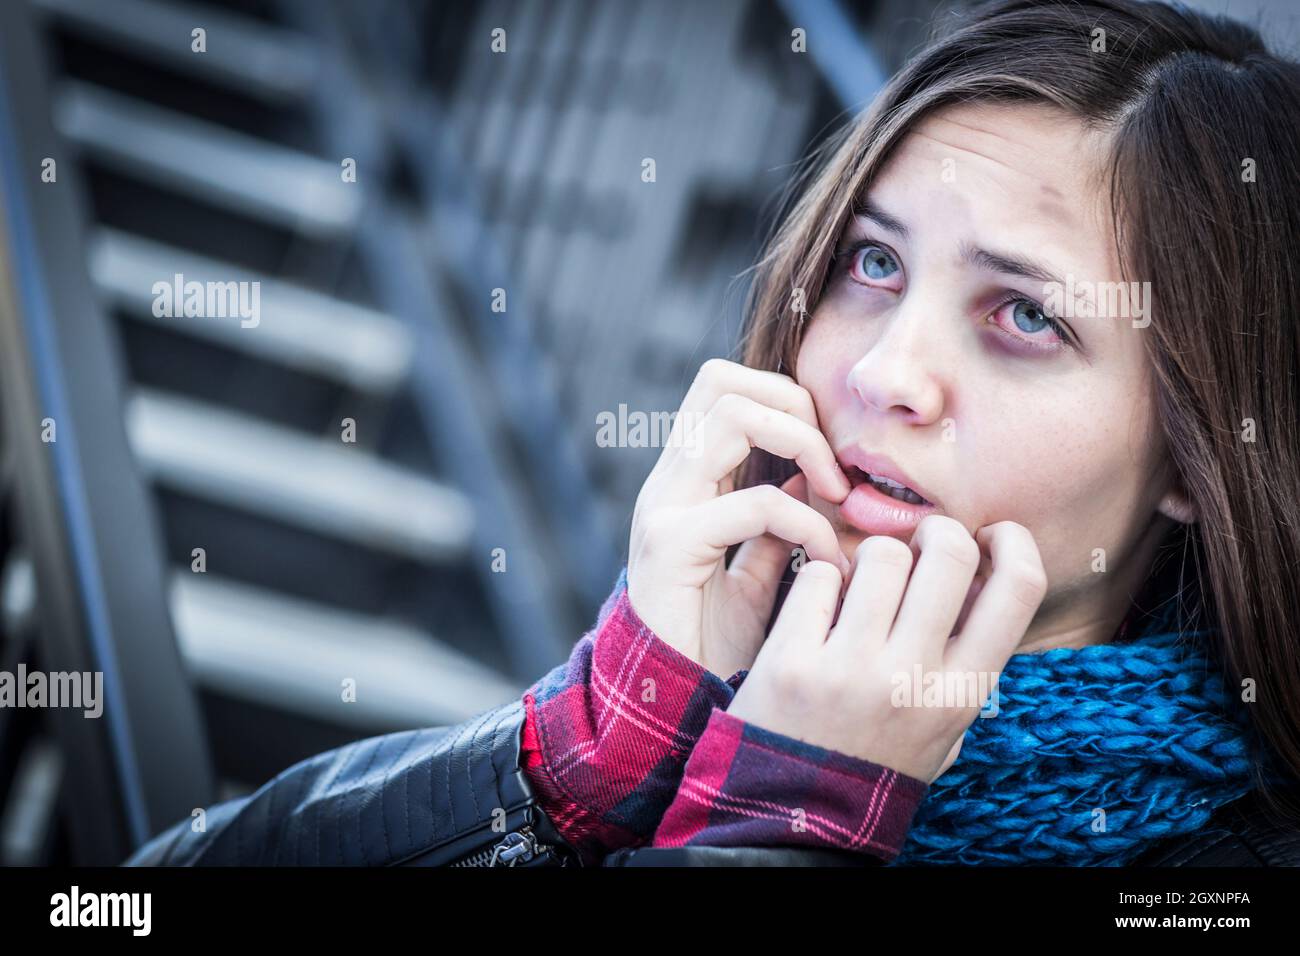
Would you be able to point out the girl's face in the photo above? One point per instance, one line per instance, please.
(949, 341)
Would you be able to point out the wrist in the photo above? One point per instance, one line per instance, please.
(728, 667)
(614, 726)
(747, 786)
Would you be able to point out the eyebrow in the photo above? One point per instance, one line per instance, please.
(1008, 264)
(1000, 262)
(869, 210)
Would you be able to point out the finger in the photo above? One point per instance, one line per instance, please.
(733, 427)
(758, 567)
(765, 509)
(1007, 603)
(760, 564)
(808, 610)
(796, 486)
(976, 586)
(877, 583)
(947, 559)
(718, 377)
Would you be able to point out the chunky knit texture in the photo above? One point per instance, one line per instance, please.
(1141, 729)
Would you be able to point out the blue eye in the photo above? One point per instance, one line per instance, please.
(1029, 320)
(1028, 317)
(877, 263)
(872, 265)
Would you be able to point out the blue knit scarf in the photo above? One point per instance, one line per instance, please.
(1094, 754)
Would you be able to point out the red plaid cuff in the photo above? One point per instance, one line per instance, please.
(747, 786)
(608, 732)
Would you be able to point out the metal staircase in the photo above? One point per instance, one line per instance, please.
(327, 560)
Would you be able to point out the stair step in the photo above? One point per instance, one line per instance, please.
(262, 646)
(326, 486)
(297, 327)
(255, 58)
(270, 183)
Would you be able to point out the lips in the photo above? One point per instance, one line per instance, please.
(884, 498)
(862, 466)
(894, 489)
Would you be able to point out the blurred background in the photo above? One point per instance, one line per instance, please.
(391, 482)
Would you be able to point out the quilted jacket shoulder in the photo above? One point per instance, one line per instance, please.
(439, 796)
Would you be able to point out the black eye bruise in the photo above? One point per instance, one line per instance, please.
(842, 257)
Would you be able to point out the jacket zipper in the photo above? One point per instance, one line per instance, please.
(515, 847)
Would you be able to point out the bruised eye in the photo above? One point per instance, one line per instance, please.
(1027, 321)
(1028, 317)
(872, 265)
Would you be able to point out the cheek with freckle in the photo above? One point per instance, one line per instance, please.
(1076, 498)
(818, 369)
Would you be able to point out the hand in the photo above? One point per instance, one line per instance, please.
(836, 686)
(688, 514)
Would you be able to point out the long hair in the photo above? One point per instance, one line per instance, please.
(1205, 200)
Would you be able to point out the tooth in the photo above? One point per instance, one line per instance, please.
(896, 489)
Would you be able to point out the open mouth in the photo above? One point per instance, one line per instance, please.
(886, 486)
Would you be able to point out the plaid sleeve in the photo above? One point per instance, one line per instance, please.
(607, 733)
(746, 786)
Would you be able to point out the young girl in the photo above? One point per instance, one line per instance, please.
(1046, 285)
(1018, 404)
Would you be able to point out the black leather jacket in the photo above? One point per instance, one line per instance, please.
(456, 796)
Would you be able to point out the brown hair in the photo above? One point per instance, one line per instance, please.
(1189, 98)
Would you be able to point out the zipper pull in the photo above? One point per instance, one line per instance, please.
(519, 845)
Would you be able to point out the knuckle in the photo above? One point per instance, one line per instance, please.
(823, 571)
(949, 538)
(937, 524)
(730, 406)
(882, 549)
(786, 681)
(1012, 537)
(795, 682)
(774, 501)
(844, 685)
(1020, 558)
(1028, 583)
(714, 369)
(709, 381)
(804, 401)
(963, 552)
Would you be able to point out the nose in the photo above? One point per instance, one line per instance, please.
(899, 373)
